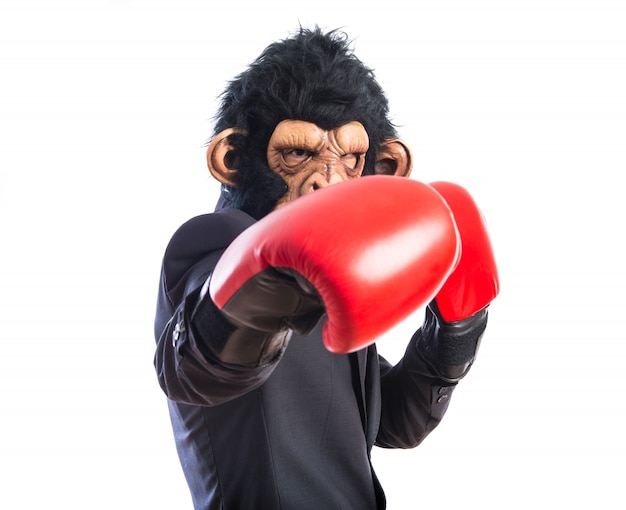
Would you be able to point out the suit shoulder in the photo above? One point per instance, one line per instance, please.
(201, 236)
(209, 232)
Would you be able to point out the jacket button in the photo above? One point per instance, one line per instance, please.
(178, 329)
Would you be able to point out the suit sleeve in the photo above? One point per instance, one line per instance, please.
(416, 392)
(187, 370)
(413, 401)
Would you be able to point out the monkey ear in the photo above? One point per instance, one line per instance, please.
(394, 158)
(222, 159)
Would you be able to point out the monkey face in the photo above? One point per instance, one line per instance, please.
(308, 157)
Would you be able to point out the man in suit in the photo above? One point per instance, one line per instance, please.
(268, 308)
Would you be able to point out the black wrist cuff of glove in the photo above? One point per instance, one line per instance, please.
(223, 342)
(450, 347)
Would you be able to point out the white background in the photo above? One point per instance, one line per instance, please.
(104, 110)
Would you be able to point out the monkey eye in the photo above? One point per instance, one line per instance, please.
(352, 160)
(294, 157)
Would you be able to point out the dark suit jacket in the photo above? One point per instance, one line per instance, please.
(296, 434)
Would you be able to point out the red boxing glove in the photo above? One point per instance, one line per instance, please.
(474, 282)
(374, 250)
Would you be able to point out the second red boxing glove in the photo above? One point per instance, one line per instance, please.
(474, 282)
(374, 250)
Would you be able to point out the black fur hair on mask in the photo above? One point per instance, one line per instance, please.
(311, 76)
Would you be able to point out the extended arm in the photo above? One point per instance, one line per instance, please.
(188, 329)
(416, 392)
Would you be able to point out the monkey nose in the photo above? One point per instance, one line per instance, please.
(319, 184)
(323, 177)
(329, 171)
(318, 181)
